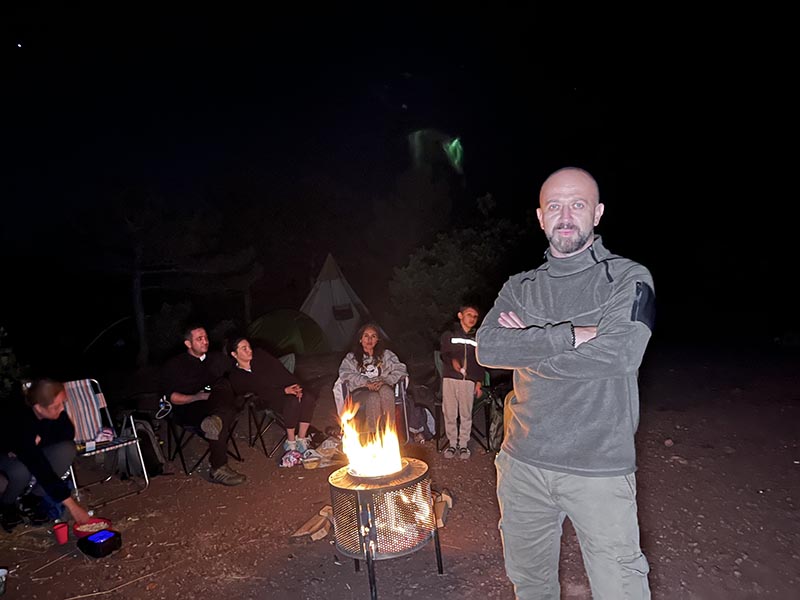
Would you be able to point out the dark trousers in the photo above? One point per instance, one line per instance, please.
(292, 410)
(60, 457)
(192, 415)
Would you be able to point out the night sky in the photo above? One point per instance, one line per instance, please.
(680, 117)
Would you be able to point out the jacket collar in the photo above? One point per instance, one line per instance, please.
(594, 254)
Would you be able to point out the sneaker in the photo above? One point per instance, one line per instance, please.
(227, 476)
(212, 427)
(290, 446)
(450, 452)
(303, 444)
(464, 454)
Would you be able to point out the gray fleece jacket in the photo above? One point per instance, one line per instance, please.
(576, 409)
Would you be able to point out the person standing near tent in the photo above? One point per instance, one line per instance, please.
(258, 372)
(462, 377)
(370, 373)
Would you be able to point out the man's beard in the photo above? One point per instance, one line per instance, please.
(568, 245)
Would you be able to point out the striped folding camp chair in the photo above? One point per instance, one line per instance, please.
(87, 408)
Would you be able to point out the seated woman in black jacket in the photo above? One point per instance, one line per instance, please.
(37, 438)
(260, 373)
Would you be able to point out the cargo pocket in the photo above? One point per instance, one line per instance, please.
(634, 576)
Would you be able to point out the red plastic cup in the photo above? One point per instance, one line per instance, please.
(61, 532)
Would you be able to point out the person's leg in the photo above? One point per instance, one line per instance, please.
(530, 529)
(387, 416)
(218, 456)
(369, 406)
(192, 415)
(465, 398)
(603, 512)
(60, 457)
(18, 477)
(296, 413)
(450, 410)
(290, 412)
(306, 411)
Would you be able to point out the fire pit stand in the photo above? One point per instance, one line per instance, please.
(376, 518)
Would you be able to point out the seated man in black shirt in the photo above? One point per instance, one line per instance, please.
(201, 396)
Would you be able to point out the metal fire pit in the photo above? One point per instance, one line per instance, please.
(376, 518)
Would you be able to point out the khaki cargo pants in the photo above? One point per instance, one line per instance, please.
(533, 504)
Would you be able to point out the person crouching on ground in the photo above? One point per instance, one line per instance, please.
(37, 439)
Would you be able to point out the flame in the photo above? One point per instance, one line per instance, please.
(379, 455)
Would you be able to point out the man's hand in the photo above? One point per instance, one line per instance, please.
(584, 334)
(294, 390)
(478, 389)
(510, 320)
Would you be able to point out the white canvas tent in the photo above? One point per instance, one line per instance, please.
(335, 307)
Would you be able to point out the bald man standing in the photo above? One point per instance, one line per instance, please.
(574, 332)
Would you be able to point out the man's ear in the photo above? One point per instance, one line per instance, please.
(460, 316)
(188, 344)
(598, 212)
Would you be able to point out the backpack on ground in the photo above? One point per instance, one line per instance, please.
(125, 461)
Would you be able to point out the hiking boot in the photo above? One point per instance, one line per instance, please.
(303, 444)
(227, 476)
(464, 454)
(212, 427)
(10, 517)
(450, 452)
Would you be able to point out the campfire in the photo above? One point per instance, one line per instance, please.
(382, 502)
(381, 453)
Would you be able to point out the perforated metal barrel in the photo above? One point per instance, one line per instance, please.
(391, 515)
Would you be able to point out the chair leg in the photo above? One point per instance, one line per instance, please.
(74, 483)
(267, 420)
(179, 443)
(278, 445)
(438, 417)
(231, 441)
(483, 437)
(199, 461)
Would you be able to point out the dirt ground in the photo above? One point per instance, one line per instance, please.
(719, 490)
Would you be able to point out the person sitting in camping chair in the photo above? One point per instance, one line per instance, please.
(370, 373)
(274, 388)
(36, 439)
(194, 383)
